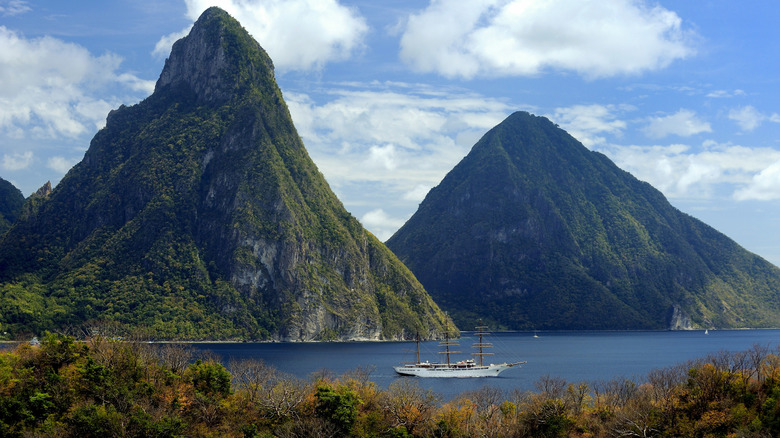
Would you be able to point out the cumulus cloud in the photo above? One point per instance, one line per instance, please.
(50, 87)
(389, 143)
(749, 118)
(684, 171)
(382, 225)
(163, 47)
(520, 37)
(587, 123)
(765, 186)
(297, 34)
(417, 193)
(395, 132)
(61, 165)
(683, 123)
(17, 161)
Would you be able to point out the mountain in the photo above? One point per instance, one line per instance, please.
(198, 214)
(11, 201)
(531, 230)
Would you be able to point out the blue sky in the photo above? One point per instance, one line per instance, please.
(389, 95)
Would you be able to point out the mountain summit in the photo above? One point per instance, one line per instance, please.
(198, 214)
(531, 230)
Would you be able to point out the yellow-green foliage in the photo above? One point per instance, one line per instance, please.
(110, 387)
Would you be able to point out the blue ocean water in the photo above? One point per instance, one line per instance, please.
(581, 356)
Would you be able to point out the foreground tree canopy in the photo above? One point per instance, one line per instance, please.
(112, 388)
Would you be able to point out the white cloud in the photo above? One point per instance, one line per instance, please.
(163, 47)
(382, 157)
(399, 133)
(297, 34)
(519, 37)
(682, 171)
(417, 193)
(51, 88)
(587, 122)
(388, 143)
(382, 225)
(725, 93)
(765, 186)
(749, 118)
(683, 123)
(17, 161)
(61, 165)
(14, 7)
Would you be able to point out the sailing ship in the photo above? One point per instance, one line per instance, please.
(463, 368)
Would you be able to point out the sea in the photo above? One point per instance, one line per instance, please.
(575, 356)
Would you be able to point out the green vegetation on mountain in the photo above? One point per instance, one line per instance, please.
(532, 230)
(106, 387)
(198, 214)
(11, 201)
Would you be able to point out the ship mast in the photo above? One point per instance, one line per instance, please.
(418, 346)
(481, 345)
(447, 344)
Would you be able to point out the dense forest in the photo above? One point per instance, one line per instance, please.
(119, 388)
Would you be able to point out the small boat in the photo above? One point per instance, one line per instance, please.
(463, 368)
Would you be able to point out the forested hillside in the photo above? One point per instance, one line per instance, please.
(531, 230)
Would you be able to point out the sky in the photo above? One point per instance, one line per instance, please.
(389, 95)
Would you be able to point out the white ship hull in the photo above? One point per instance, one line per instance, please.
(453, 370)
(463, 368)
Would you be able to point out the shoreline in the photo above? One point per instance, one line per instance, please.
(530, 332)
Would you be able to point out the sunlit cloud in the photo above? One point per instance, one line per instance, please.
(17, 161)
(749, 118)
(685, 171)
(398, 134)
(60, 165)
(520, 38)
(297, 34)
(683, 123)
(588, 123)
(388, 143)
(765, 186)
(51, 88)
(381, 224)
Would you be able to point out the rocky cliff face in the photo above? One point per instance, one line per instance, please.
(199, 214)
(532, 230)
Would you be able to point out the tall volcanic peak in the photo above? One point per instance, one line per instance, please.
(198, 214)
(531, 230)
(215, 59)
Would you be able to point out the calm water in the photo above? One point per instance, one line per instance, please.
(574, 356)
